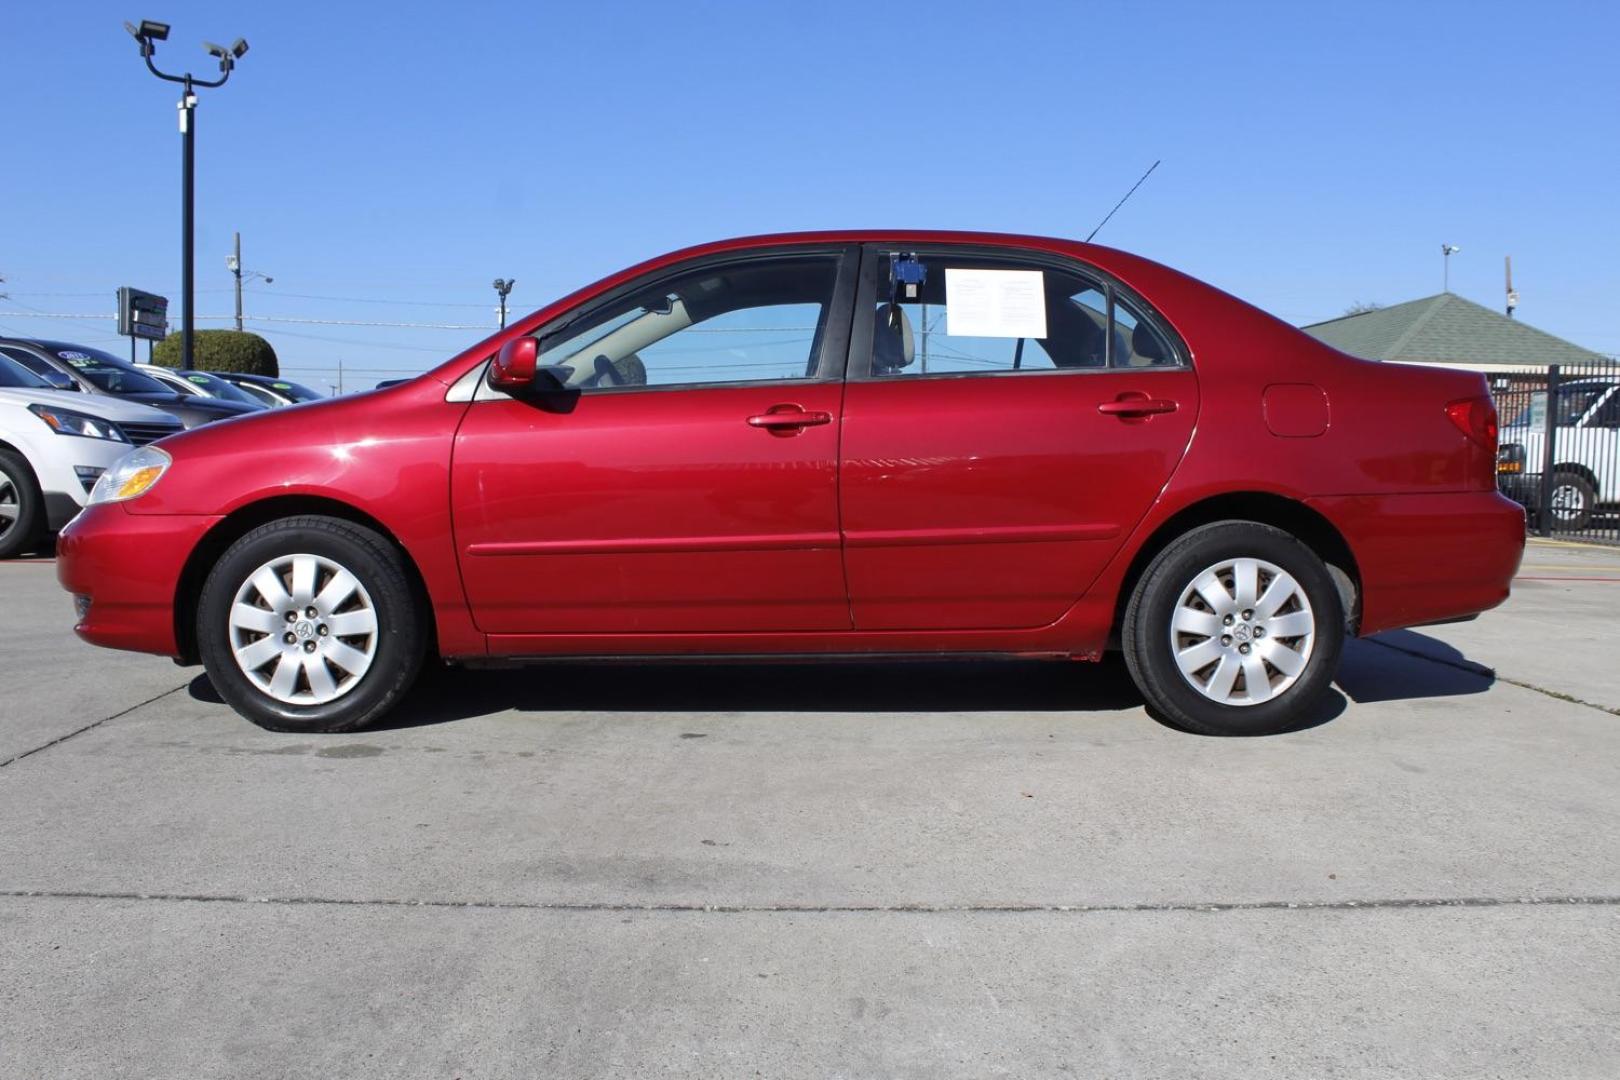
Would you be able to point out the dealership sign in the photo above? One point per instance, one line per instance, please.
(142, 314)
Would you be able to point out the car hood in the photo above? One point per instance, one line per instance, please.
(106, 408)
(202, 406)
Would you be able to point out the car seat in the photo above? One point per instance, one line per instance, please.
(893, 346)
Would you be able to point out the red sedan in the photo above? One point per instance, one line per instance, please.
(830, 444)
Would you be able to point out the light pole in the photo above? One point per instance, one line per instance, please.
(147, 34)
(503, 289)
(1446, 252)
(233, 263)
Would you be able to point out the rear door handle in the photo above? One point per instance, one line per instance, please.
(1136, 406)
(787, 419)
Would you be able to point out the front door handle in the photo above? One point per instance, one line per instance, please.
(788, 419)
(1131, 405)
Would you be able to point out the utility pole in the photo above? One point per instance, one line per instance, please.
(1512, 297)
(503, 289)
(147, 34)
(233, 263)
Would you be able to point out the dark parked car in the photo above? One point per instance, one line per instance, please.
(92, 371)
(829, 444)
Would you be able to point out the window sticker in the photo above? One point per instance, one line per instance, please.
(199, 379)
(995, 303)
(74, 357)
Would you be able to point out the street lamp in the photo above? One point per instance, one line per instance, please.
(503, 289)
(233, 263)
(147, 34)
(1446, 252)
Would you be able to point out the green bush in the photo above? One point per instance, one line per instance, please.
(221, 350)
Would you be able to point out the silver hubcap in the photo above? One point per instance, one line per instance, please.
(303, 629)
(1242, 632)
(9, 507)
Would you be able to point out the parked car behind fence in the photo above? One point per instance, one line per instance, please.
(1560, 447)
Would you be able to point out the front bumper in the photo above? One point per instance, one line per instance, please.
(124, 572)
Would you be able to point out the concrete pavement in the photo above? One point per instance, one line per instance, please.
(963, 870)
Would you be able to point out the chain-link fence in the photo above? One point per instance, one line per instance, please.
(1560, 447)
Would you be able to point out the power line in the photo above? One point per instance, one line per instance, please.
(35, 313)
(373, 300)
(364, 344)
(303, 296)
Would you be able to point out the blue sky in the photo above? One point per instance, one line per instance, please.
(384, 163)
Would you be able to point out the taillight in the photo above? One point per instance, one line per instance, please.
(1476, 418)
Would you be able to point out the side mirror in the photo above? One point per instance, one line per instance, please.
(59, 380)
(514, 366)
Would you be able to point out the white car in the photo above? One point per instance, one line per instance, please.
(54, 445)
(1586, 466)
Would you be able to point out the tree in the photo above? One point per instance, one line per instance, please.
(222, 350)
(1361, 307)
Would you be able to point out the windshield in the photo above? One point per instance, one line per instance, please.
(272, 390)
(107, 372)
(219, 387)
(13, 376)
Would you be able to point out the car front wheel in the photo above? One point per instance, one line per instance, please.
(1235, 629)
(310, 624)
(20, 508)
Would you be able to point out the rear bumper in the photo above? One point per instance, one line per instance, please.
(125, 568)
(1429, 558)
(1522, 488)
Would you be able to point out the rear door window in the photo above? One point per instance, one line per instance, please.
(981, 314)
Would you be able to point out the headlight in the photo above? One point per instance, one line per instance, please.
(131, 475)
(68, 422)
(1510, 458)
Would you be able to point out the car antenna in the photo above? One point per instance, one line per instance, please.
(1121, 202)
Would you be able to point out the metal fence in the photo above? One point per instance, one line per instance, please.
(1560, 447)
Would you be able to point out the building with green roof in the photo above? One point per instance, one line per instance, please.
(1450, 331)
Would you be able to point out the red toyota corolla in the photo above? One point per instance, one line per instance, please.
(856, 444)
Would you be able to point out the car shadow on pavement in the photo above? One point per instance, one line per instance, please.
(1400, 665)
(1395, 666)
(445, 695)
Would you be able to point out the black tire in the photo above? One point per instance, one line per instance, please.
(1581, 505)
(400, 638)
(1147, 637)
(17, 484)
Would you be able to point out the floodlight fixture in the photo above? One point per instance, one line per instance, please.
(146, 34)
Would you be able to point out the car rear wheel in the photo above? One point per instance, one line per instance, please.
(1573, 501)
(20, 505)
(311, 624)
(1235, 629)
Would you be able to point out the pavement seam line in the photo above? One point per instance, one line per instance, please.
(91, 726)
(1481, 670)
(1394, 903)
